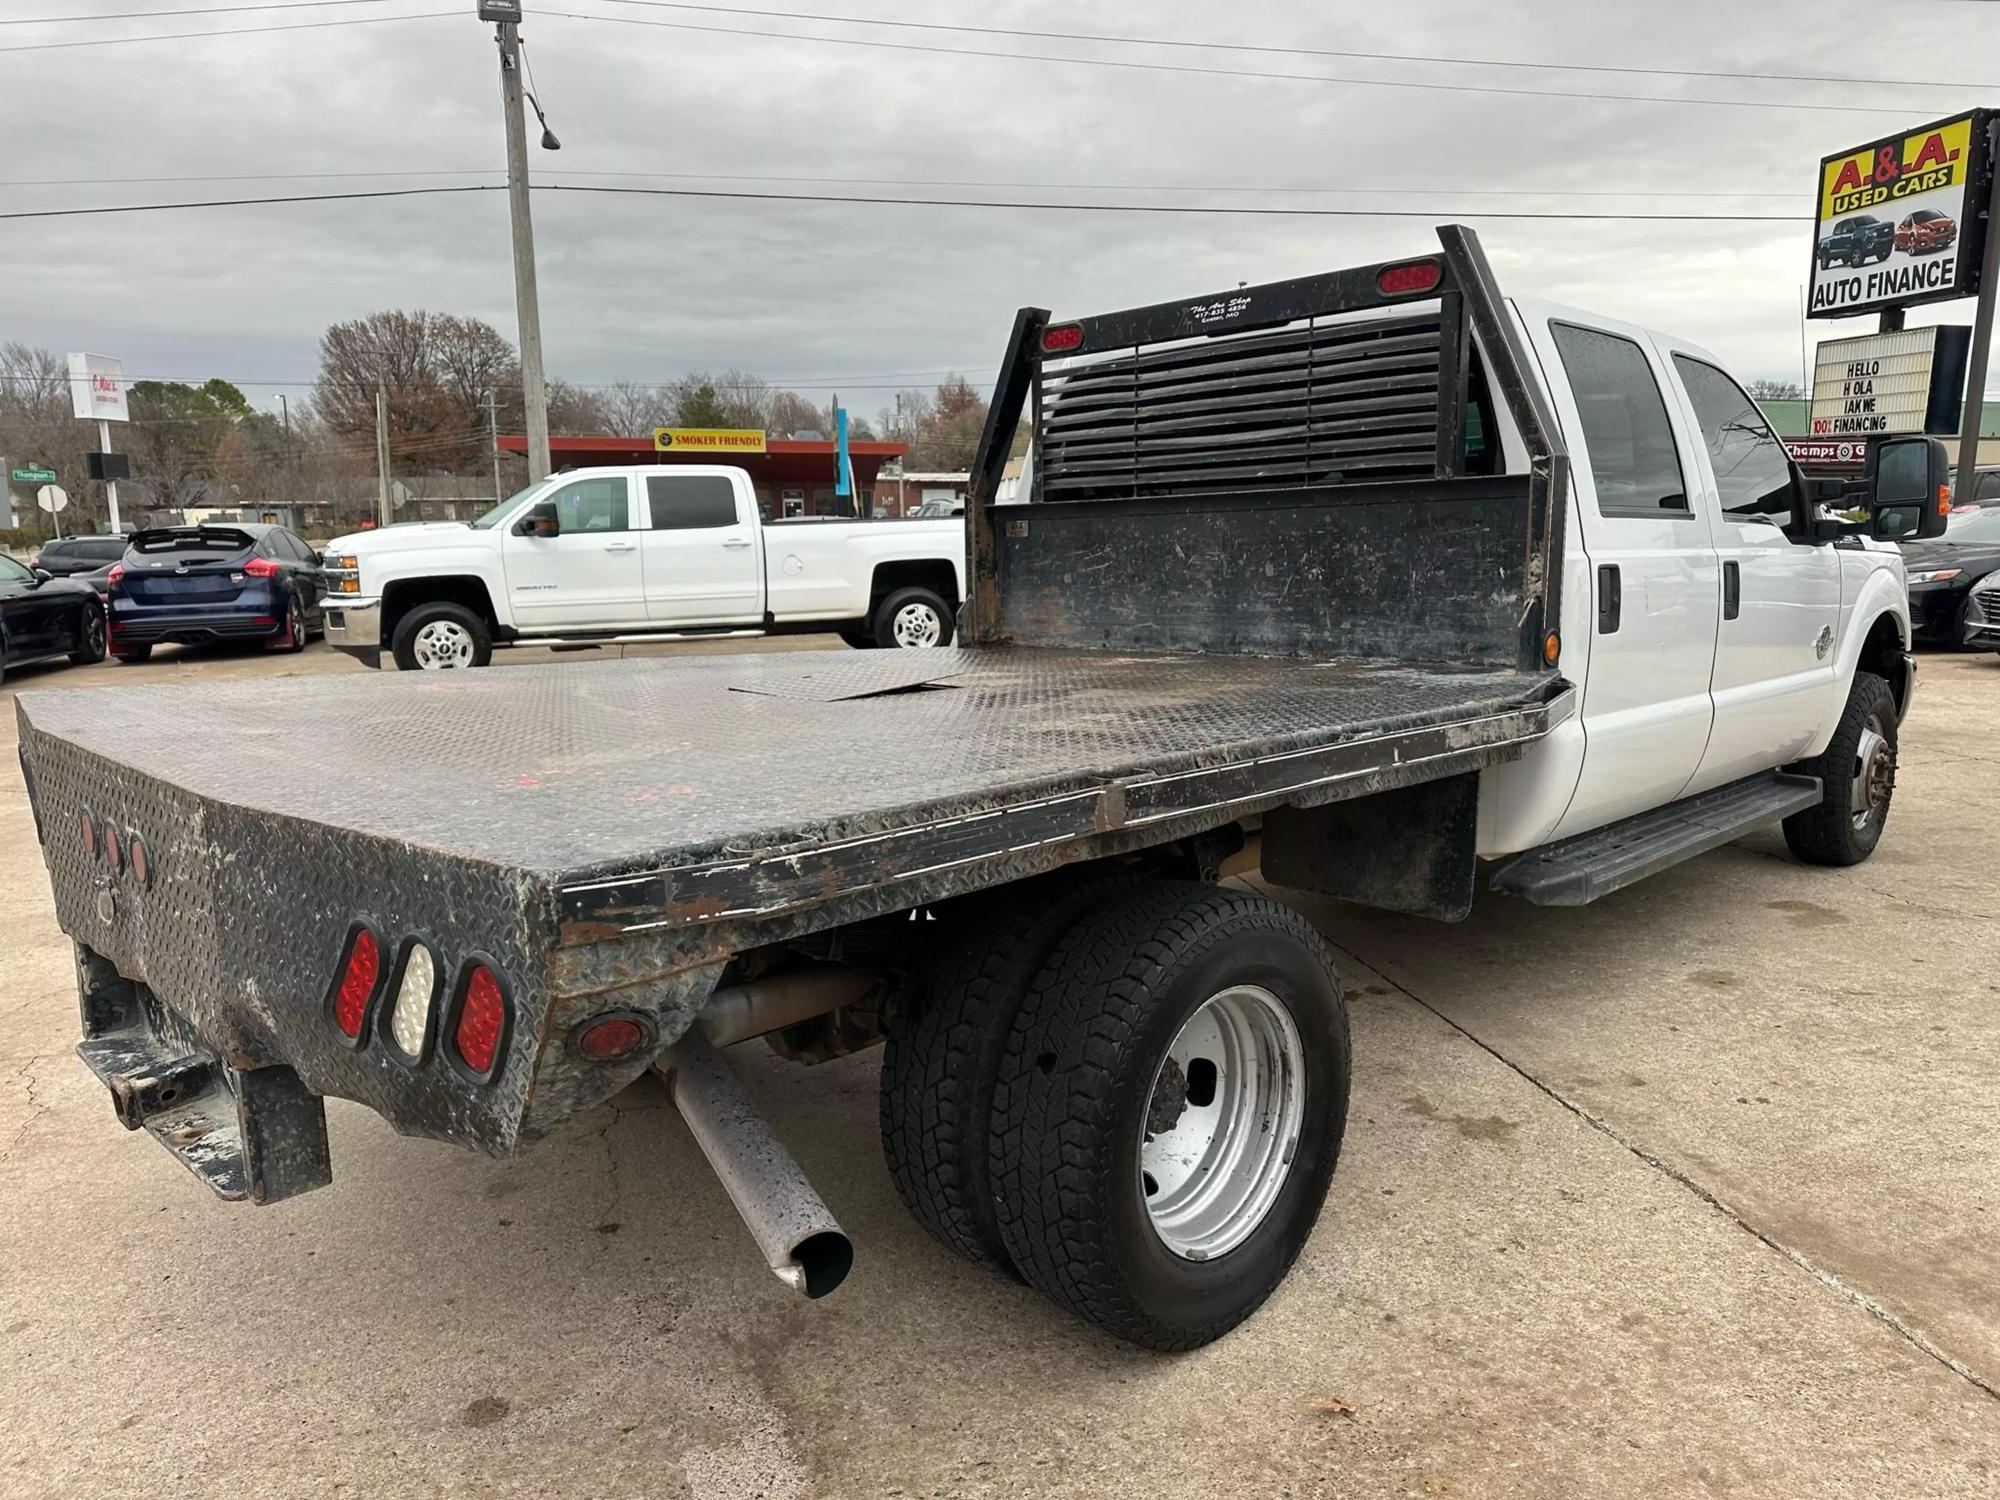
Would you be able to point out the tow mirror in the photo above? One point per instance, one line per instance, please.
(1909, 488)
(541, 520)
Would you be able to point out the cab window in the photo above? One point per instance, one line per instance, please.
(690, 502)
(1633, 463)
(601, 504)
(1753, 473)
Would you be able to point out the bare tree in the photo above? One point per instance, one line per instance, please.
(632, 410)
(1776, 390)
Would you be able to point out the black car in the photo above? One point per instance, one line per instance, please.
(1856, 241)
(43, 618)
(70, 555)
(1943, 570)
(221, 581)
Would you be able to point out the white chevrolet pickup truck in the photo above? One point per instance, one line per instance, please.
(594, 557)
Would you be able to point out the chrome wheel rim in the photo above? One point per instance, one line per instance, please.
(442, 645)
(1222, 1122)
(917, 625)
(1874, 774)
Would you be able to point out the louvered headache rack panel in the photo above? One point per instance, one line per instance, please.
(1281, 469)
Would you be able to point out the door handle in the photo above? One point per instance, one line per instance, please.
(620, 546)
(1732, 591)
(1610, 598)
(736, 542)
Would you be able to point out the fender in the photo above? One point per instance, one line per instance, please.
(1864, 644)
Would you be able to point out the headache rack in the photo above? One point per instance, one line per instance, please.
(1307, 467)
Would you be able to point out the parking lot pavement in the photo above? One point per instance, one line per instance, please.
(1692, 1192)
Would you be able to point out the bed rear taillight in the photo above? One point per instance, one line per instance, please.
(479, 1023)
(354, 988)
(1061, 338)
(86, 828)
(114, 849)
(1409, 278)
(609, 1037)
(142, 862)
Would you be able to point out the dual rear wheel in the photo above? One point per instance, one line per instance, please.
(1128, 1092)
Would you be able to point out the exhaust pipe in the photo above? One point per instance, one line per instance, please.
(776, 1001)
(801, 1242)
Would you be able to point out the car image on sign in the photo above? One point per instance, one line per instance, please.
(1857, 242)
(1925, 232)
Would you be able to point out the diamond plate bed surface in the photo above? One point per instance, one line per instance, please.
(575, 766)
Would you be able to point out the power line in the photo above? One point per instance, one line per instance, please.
(199, 10)
(1218, 46)
(180, 36)
(819, 177)
(1227, 209)
(1189, 68)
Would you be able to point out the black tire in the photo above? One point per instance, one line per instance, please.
(1832, 832)
(943, 1052)
(92, 649)
(1074, 1097)
(886, 613)
(130, 654)
(860, 640)
(403, 646)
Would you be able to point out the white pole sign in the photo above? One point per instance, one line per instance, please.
(97, 394)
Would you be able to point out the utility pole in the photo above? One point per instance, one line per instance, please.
(110, 485)
(527, 305)
(291, 473)
(382, 454)
(493, 440)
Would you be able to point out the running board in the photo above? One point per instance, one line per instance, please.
(636, 638)
(1578, 870)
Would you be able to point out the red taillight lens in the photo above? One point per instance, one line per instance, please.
(142, 862)
(357, 983)
(1408, 278)
(113, 850)
(116, 575)
(260, 567)
(482, 1021)
(1062, 338)
(86, 826)
(608, 1038)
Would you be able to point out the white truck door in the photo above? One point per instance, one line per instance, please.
(1653, 570)
(1773, 683)
(588, 578)
(702, 562)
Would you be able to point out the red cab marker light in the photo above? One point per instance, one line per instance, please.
(356, 985)
(1409, 278)
(607, 1038)
(480, 1028)
(1060, 338)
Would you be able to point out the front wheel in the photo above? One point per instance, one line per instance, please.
(1169, 1112)
(913, 619)
(441, 637)
(1858, 772)
(90, 647)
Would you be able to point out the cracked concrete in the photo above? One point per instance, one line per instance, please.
(1532, 1278)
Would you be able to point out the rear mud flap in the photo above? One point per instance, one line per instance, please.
(255, 1133)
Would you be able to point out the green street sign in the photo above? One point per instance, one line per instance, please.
(34, 476)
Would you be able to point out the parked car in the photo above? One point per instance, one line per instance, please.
(242, 581)
(1982, 615)
(66, 556)
(598, 555)
(1393, 671)
(1985, 489)
(1926, 232)
(43, 617)
(1942, 572)
(1856, 241)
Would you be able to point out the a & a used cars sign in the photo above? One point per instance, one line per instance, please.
(1898, 219)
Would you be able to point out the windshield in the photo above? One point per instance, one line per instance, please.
(494, 516)
(1974, 526)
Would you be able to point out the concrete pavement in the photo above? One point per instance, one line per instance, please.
(1692, 1192)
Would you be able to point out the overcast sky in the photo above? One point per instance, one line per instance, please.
(644, 288)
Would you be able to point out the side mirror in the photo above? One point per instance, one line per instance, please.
(42, 575)
(1909, 488)
(541, 520)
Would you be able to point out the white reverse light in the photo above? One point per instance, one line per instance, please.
(410, 1015)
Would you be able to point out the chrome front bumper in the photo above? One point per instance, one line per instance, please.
(354, 625)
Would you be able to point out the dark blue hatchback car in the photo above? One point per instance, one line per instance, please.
(234, 581)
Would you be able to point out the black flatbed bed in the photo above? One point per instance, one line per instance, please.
(624, 782)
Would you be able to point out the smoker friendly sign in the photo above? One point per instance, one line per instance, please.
(1897, 219)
